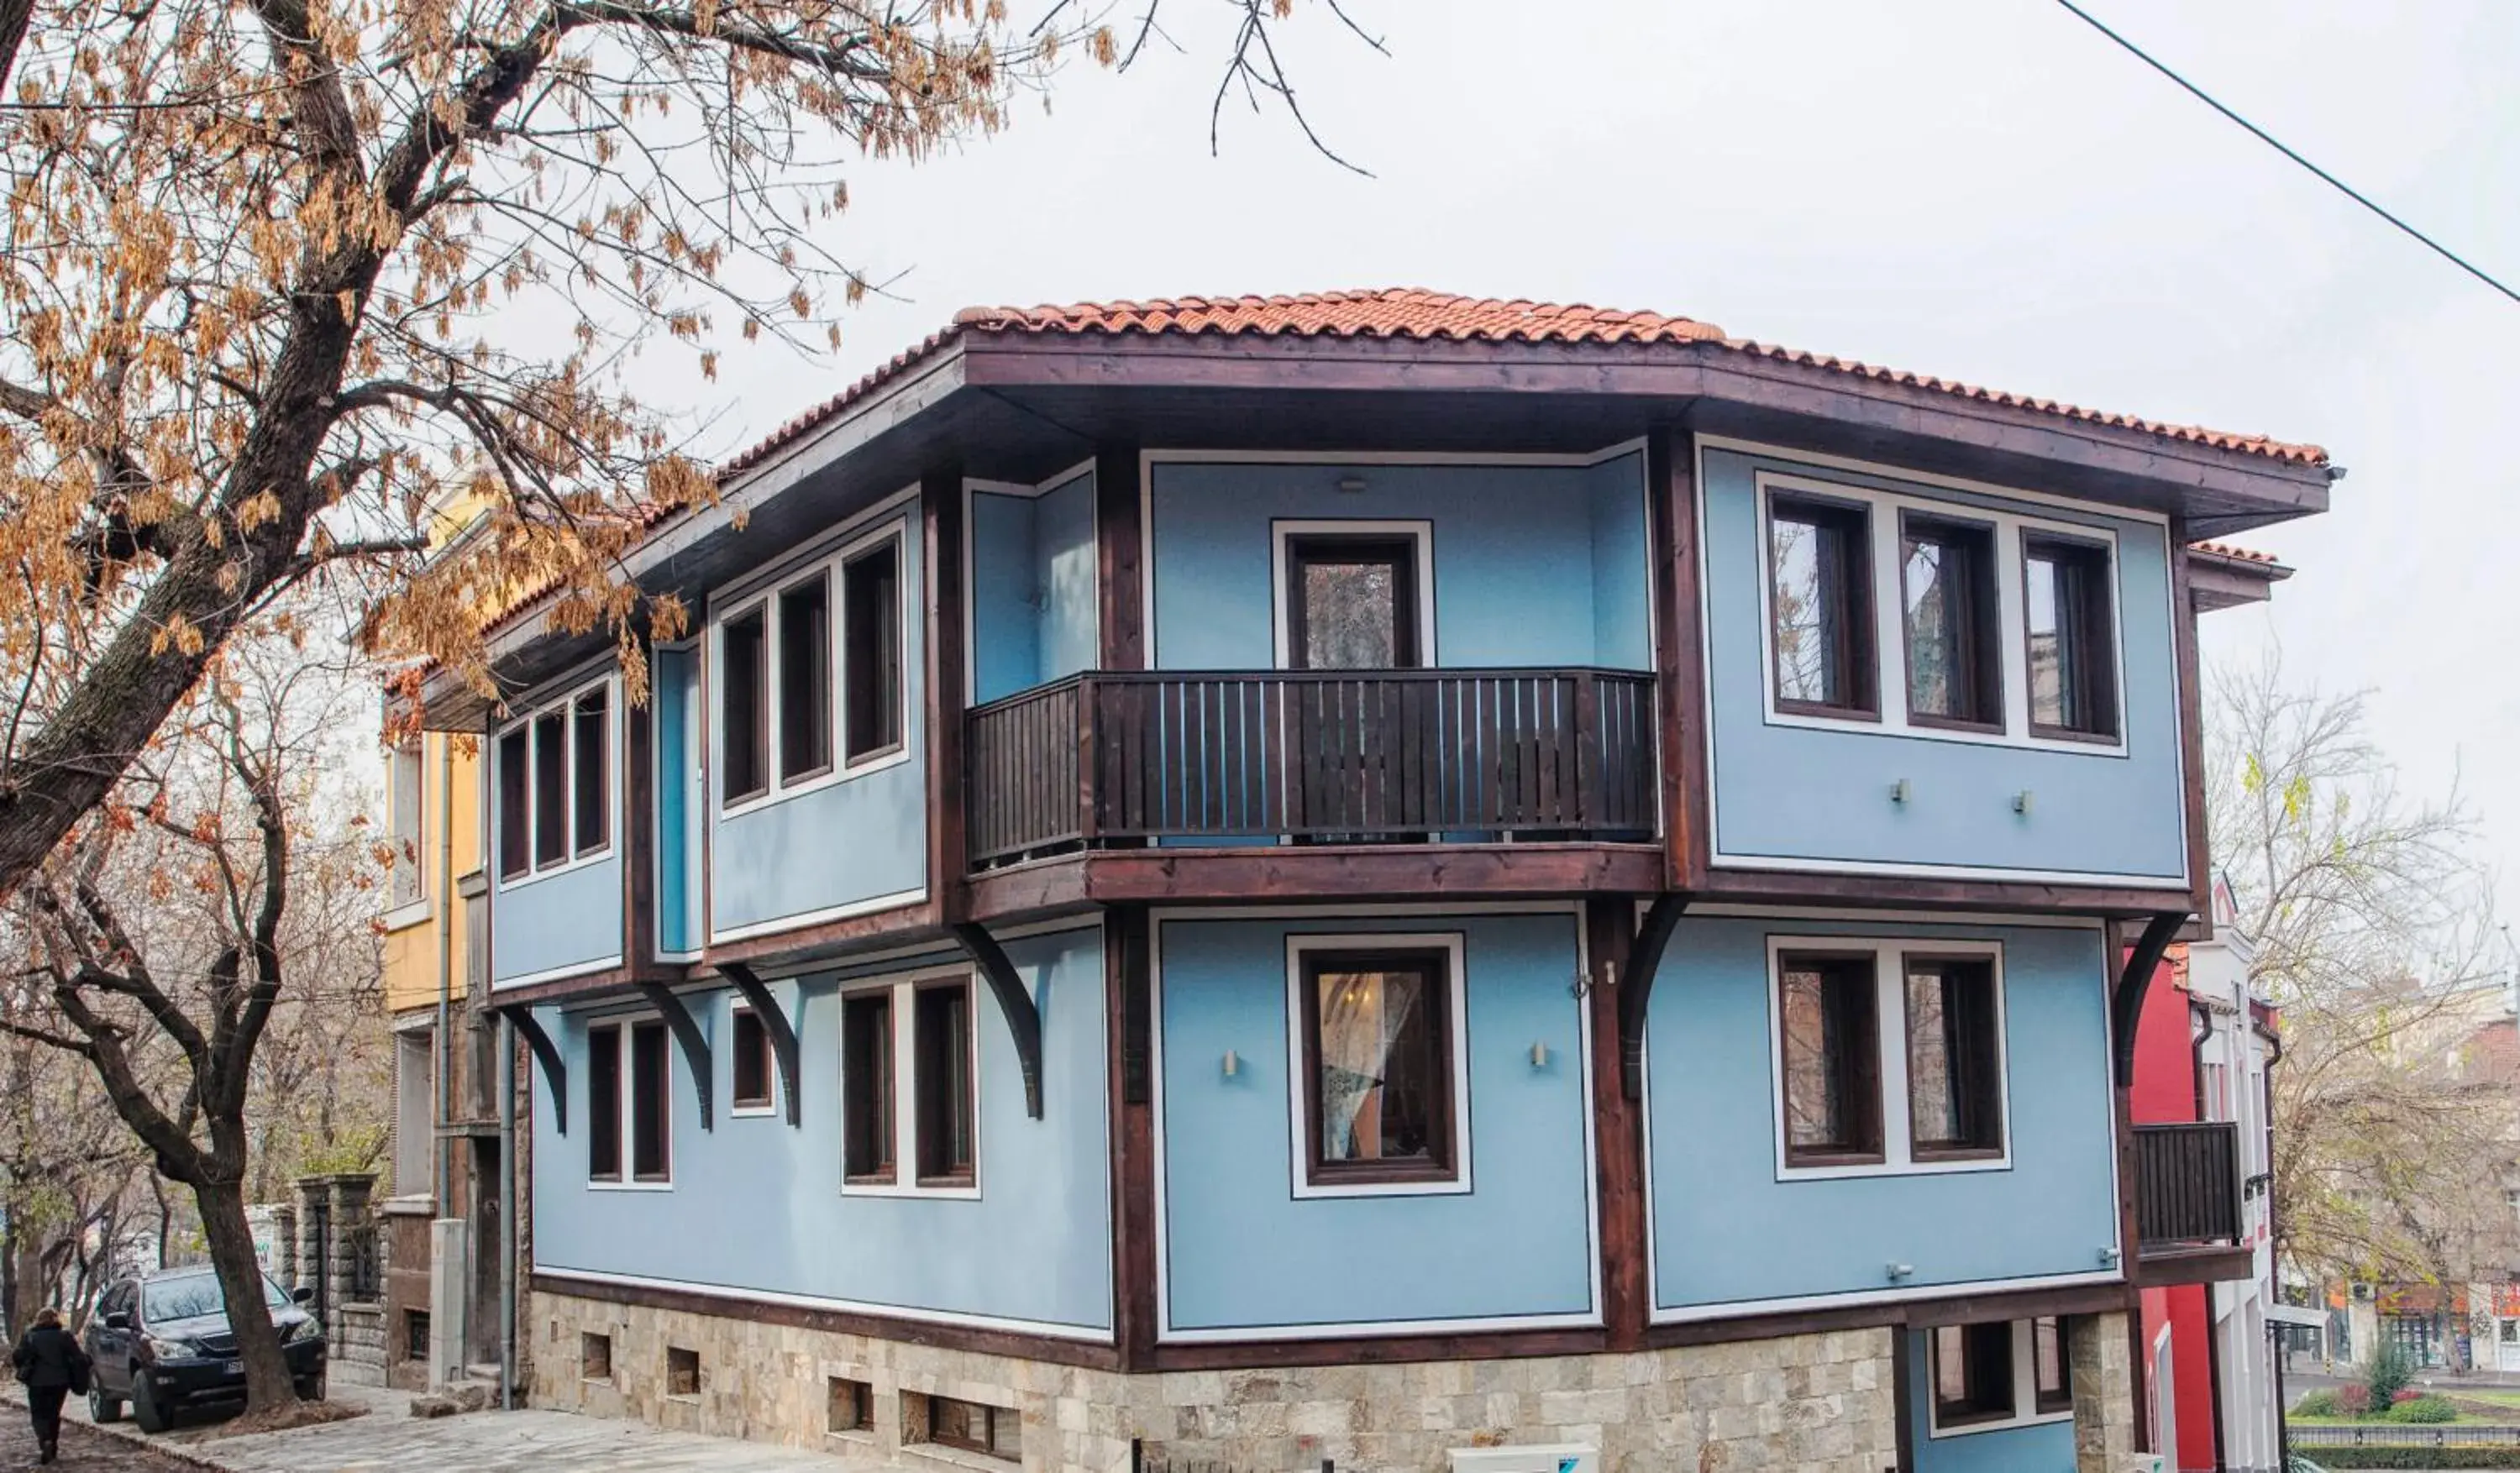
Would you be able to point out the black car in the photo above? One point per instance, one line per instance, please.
(162, 1343)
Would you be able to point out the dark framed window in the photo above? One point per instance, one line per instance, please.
(2072, 638)
(1947, 617)
(976, 1427)
(2052, 1365)
(516, 797)
(867, 1086)
(870, 659)
(948, 1114)
(590, 730)
(849, 1404)
(1955, 1059)
(1972, 1374)
(1377, 1047)
(551, 790)
(1352, 603)
(603, 1103)
(744, 690)
(651, 1105)
(805, 678)
(1819, 607)
(1829, 1008)
(751, 1058)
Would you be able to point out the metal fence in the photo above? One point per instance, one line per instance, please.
(2405, 1435)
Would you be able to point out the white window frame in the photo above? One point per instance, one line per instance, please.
(626, 1022)
(763, 598)
(736, 1006)
(564, 706)
(905, 989)
(1890, 1003)
(1420, 533)
(1458, 1020)
(1883, 519)
(2025, 1382)
(410, 831)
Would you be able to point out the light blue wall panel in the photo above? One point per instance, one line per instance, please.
(1727, 1231)
(1005, 625)
(757, 1204)
(1792, 792)
(856, 841)
(1622, 630)
(1064, 564)
(1243, 1251)
(677, 745)
(2046, 1448)
(1513, 559)
(566, 919)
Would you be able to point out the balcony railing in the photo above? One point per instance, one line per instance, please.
(2187, 1185)
(1422, 756)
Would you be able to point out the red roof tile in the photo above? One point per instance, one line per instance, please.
(1437, 316)
(2226, 549)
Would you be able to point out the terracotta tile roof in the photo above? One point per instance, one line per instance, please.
(2236, 554)
(1437, 316)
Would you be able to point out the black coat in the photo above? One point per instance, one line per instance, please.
(48, 1357)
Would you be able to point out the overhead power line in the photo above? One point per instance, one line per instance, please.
(2271, 141)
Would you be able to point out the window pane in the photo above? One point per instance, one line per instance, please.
(409, 824)
(1830, 1049)
(2049, 1365)
(1351, 615)
(751, 1059)
(516, 818)
(1954, 1077)
(604, 1103)
(551, 791)
(943, 1023)
(2072, 670)
(1972, 1374)
(1378, 1059)
(804, 679)
(1944, 575)
(1818, 597)
(740, 694)
(594, 772)
(871, 585)
(649, 1102)
(865, 1065)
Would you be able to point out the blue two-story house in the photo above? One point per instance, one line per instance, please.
(1376, 876)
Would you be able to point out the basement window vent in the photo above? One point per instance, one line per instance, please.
(595, 1356)
(415, 1334)
(682, 1372)
(852, 1404)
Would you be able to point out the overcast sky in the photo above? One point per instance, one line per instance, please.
(1982, 189)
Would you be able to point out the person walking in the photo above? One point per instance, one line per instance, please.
(51, 1364)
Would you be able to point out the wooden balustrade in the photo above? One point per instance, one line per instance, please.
(2188, 1184)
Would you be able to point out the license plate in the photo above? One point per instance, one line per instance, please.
(235, 1367)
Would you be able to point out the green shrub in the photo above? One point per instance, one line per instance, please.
(2423, 1410)
(2412, 1456)
(2389, 1374)
(2316, 1404)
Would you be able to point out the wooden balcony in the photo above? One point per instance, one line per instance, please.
(2188, 1226)
(1397, 757)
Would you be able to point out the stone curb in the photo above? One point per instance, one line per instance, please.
(125, 1432)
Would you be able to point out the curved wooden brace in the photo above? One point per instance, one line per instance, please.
(2126, 1002)
(547, 1056)
(1022, 1014)
(696, 1049)
(774, 1021)
(1644, 963)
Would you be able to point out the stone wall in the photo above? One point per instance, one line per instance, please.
(2103, 1377)
(1823, 1403)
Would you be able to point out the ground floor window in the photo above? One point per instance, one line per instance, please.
(2001, 1373)
(910, 1088)
(976, 1427)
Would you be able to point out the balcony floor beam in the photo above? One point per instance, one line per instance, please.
(1014, 1001)
(774, 1022)
(696, 1049)
(2126, 1000)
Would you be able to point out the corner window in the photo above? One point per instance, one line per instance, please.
(1376, 1062)
(751, 1051)
(780, 661)
(948, 1127)
(1820, 595)
(1889, 1055)
(2072, 638)
(1987, 1377)
(1948, 602)
(555, 785)
(867, 1086)
(629, 1087)
(871, 588)
(910, 1089)
(406, 821)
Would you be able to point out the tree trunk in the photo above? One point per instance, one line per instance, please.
(267, 1384)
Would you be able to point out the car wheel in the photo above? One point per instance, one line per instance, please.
(150, 1417)
(100, 1407)
(311, 1391)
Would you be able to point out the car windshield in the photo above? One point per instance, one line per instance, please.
(197, 1294)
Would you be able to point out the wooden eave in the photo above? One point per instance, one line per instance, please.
(2218, 580)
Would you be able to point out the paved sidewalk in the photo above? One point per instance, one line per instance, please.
(389, 1439)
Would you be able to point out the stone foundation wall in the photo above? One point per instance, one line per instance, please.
(1820, 1402)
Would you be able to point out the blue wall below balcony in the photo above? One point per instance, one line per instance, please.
(757, 1204)
(1244, 1253)
(2040, 1448)
(1033, 569)
(1534, 564)
(1726, 1232)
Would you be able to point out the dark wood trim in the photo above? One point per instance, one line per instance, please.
(1857, 637)
(1980, 621)
(638, 837)
(2094, 617)
(1864, 1141)
(1679, 655)
(1636, 986)
(2162, 1268)
(547, 1057)
(2134, 982)
(903, 924)
(1128, 1004)
(776, 1023)
(1015, 1003)
(1118, 536)
(1388, 1349)
(1433, 967)
(2030, 897)
(1352, 872)
(1903, 1396)
(940, 503)
(1398, 552)
(2191, 733)
(2021, 1304)
(695, 1046)
(1088, 1355)
(1618, 1136)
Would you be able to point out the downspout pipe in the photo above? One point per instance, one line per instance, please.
(508, 1208)
(440, 1157)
